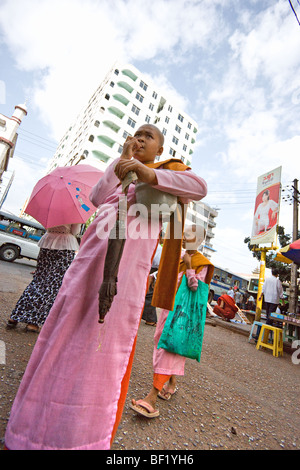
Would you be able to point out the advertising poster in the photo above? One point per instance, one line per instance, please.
(266, 211)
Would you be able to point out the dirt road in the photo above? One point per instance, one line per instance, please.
(235, 398)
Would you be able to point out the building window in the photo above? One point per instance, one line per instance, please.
(117, 72)
(172, 152)
(120, 149)
(164, 131)
(184, 147)
(126, 134)
(97, 123)
(170, 108)
(107, 96)
(91, 138)
(180, 117)
(112, 84)
(182, 159)
(131, 122)
(187, 136)
(175, 140)
(189, 125)
(147, 119)
(143, 85)
(154, 95)
(135, 110)
(151, 106)
(167, 119)
(178, 129)
(139, 97)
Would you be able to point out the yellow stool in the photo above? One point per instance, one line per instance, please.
(276, 345)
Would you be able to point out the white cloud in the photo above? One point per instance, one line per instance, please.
(71, 44)
(237, 63)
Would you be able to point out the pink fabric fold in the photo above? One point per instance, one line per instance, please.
(69, 394)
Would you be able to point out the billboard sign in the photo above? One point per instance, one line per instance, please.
(266, 211)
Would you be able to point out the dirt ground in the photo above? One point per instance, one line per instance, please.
(236, 398)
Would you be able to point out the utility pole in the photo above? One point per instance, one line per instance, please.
(293, 297)
(263, 257)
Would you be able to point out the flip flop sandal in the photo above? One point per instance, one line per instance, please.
(11, 324)
(32, 328)
(143, 408)
(164, 397)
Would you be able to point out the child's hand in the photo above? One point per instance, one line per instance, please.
(144, 173)
(130, 146)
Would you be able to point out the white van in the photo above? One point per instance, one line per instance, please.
(19, 237)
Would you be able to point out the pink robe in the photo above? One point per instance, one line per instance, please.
(68, 397)
(164, 362)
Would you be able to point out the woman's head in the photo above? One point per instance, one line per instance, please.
(266, 195)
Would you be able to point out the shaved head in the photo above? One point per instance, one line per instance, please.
(157, 131)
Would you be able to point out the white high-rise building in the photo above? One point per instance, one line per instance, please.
(123, 102)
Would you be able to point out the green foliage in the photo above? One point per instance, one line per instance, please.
(283, 269)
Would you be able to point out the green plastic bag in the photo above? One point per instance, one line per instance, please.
(184, 327)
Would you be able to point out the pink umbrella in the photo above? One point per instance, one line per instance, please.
(62, 196)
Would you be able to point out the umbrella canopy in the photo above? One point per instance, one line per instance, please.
(290, 253)
(62, 196)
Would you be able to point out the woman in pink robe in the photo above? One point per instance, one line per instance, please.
(69, 394)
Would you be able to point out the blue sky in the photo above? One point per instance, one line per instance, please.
(233, 65)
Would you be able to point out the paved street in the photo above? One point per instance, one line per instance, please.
(235, 398)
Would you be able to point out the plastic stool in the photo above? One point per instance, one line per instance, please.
(290, 332)
(257, 324)
(276, 345)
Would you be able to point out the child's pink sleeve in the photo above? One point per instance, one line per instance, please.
(192, 277)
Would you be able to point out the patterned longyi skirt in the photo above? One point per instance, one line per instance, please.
(37, 299)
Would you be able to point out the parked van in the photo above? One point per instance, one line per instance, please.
(19, 237)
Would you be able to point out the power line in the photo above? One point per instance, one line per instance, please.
(36, 135)
(37, 144)
(294, 11)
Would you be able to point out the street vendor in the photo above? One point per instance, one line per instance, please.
(226, 307)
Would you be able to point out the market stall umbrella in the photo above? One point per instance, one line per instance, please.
(62, 196)
(290, 252)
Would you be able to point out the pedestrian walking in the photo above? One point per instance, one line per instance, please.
(57, 251)
(74, 388)
(238, 297)
(272, 292)
(167, 365)
(230, 292)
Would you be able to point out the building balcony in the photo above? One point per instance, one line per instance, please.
(121, 98)
(111, 125)
(130, 74)
(99, 155)
(125, 86)
(116, 112)
(106, 140)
